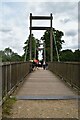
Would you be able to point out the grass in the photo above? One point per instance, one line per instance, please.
(7, 106)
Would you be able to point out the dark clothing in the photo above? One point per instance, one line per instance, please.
(44, 67)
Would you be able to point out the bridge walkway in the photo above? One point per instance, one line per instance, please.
(42, 96)
(43, 83)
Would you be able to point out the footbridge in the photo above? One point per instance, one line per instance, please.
(14, 73)
(51, 93)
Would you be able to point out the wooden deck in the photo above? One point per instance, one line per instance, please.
(45, 85)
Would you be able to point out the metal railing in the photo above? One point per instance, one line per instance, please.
(12, 75)
(68, 71)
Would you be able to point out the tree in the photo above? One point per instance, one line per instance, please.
(26, 50)
(1, 54)
(77, 55)
(46, 38)
(9, 56)
(35, 45)
(16, 57)
(66, 55)
(7, 53)
(69, 55)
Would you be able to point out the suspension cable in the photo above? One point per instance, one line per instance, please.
(56, 48)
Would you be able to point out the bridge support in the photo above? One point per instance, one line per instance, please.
(42, 28)
(51, 40)
(30, 37)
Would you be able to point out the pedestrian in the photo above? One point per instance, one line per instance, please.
(44, 65)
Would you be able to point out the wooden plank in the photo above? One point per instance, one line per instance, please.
(42, 83)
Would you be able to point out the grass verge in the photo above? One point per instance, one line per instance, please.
(7, 106)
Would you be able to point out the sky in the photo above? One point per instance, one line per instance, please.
(14, 21)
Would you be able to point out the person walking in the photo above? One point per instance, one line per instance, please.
(44, 65)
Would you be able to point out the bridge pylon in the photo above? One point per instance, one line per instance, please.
(42, 28)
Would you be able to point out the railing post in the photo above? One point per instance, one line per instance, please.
(6, 82)
(10, 76)
(0, 83)
(51, 39)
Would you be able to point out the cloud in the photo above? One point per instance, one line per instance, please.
(79, 14)
(60, 8)
(40, 1)
(71, 33)
(65, 20)
(5, 30)
(15, 22)
(71, 42)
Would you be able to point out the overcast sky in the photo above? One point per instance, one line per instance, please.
(14, 22)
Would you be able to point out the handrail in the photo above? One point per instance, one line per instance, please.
(68, 71)
(12, 74)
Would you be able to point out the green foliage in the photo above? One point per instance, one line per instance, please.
(7, 106)
(58, 35)
(46, 38)
(77, 55)
(8, 55)
(35, 45)
(1, 53)
(66, 55)
(69, 55)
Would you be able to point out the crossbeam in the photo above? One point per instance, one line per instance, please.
(41, 17)
(40, 28)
